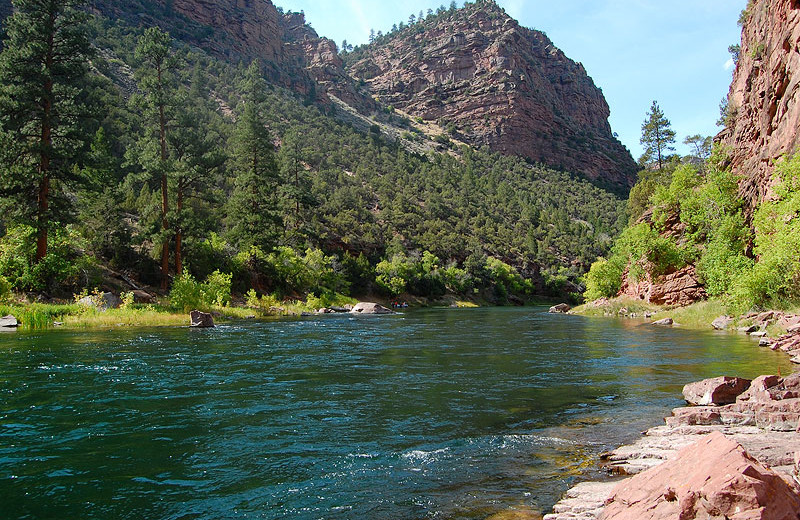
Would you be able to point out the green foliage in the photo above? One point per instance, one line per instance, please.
(603, 279)
(644, 250)
(63, 268)
(5, 289)
(188, 294)
(775, 278)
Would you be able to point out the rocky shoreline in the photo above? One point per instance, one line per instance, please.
(753, 423)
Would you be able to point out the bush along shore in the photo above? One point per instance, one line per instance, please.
(733, 452)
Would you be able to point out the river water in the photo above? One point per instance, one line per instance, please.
(438, 413)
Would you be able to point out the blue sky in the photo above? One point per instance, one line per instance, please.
(637, 51)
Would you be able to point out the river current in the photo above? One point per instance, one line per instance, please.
(439, 413)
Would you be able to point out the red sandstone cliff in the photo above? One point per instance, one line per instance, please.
(498, 84)
(764, 98)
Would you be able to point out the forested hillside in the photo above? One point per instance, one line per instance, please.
(162, 159)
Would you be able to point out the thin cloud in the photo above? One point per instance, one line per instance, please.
(360, 17)
(729, 64)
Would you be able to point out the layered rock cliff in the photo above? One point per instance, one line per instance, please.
(292, 54)
(493, 82)
(764, 99)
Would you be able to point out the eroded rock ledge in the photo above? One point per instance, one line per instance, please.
(763, 420)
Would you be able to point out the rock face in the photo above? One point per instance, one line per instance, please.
(370, 308)
(290, 52)
(713, 478)
(680, 288)
(764, 98)
(719, 390)
(495, 83)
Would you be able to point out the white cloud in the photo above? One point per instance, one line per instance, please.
(729, 64)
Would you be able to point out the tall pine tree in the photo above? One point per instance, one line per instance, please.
(43, 70)
(253, 217)
(657, 136)
(154, 52)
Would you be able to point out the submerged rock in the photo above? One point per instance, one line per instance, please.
(666, 322)
(717, 390)
(201, 320)
(712, 478)
(722, 323)
(370, 308)
(561, 308)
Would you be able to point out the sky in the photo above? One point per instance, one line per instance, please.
(637, 51)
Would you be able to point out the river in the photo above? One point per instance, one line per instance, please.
(439, 413)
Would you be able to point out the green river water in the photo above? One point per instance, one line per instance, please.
(438, 413)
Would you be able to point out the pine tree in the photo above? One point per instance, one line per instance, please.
(657, 136)
(43, 71)
(253, 218)
(154, 52)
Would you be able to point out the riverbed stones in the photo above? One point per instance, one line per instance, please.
(712, 478)
(8, 322)
(722, 323)
(370, 308)
(561, 308)
(666, 322)
(201, 320)
(715, 391)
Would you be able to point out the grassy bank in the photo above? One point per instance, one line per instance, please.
(696, 316)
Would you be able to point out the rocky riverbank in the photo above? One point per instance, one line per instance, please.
(735, 448)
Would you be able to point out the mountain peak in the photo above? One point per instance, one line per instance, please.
(490, 81)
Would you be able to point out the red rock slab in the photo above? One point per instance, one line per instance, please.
(717, 390)
(712, 478)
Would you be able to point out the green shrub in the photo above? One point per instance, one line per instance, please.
(188, 294)
(775, 278)
(603, 279)
(217, 289)
(5, 289)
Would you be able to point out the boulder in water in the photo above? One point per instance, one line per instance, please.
(201, 320)
(561, 308)
(370, 308)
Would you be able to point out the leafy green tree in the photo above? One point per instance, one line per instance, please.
(156, 79)
(43, 70)
(657, 137)
(253, 219)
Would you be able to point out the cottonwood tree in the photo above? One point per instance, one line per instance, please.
(43, 70)
(657, 137)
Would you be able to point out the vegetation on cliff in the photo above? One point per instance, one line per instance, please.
(186, 165)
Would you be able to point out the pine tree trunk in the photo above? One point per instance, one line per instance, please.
(164, 193)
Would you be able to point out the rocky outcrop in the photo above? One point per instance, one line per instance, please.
(102, 302)
(764, 98)
(764, 421)
(290, 52)
(677, 288)
(493, 82)
(712, 478)
(718, 390)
